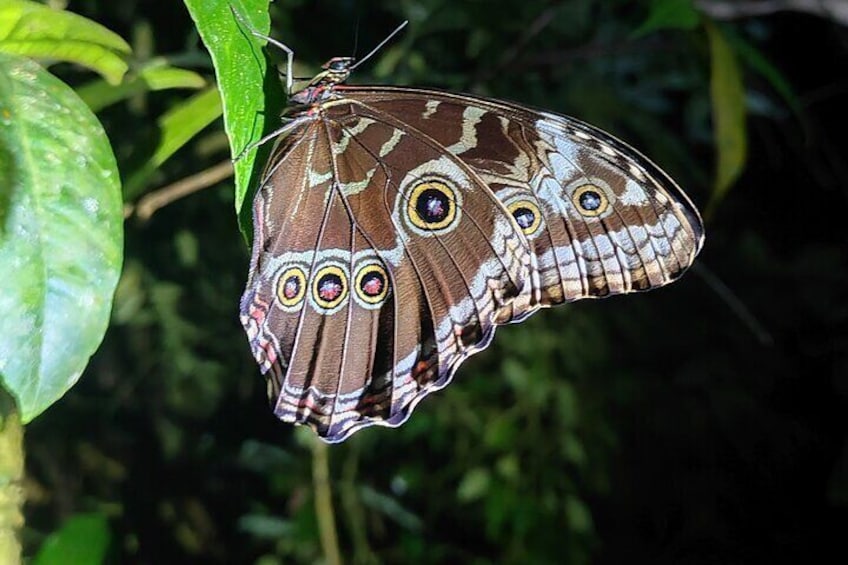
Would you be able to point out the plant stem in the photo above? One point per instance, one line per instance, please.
(324, 503)
(11, 477)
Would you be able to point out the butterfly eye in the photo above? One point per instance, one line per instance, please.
(527, 215)
(329, 288)
(432, 206)
(590, 200)
(291, 286)
(372, 285)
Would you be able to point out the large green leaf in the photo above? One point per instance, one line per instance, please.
(34, 30)
(60, 234)
(727, 96)
(243, 79)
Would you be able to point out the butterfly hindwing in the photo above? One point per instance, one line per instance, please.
(380, 265)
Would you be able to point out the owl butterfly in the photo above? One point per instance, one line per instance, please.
(396, 228)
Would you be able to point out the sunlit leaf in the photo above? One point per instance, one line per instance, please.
(61, 234)
(727, 95)
(243, 78)
(99, 94)
(35, 30)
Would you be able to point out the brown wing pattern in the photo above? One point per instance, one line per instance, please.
(395, 228)
(379, 264)
(600, 217)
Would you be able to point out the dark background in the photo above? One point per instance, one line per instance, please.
(701, 423)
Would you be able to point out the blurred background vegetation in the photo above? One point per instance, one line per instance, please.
(702, 423)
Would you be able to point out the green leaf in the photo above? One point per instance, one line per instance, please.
(474, 485)
(99, 94)
(727, 96)
(176, 128)
(243, 78)
(390, 507)
(61, 234)
(758, 62)
(572, 449)
(669, 14)
(34, 30)
(82, 540)
(265, 527)
(578, 515)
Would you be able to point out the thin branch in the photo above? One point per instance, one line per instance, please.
(150, 203)
(562, 57)
(734, 303)
(354, 515)
(511, 54)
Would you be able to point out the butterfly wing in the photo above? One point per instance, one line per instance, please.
(600, 217)
(379, 264)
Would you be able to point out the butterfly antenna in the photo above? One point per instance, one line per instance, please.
(391, 35)
(279, 45)
(355, 37)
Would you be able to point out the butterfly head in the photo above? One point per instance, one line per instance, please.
(336, 71)
(339, 64)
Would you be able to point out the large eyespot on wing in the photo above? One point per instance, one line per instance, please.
(612, 222)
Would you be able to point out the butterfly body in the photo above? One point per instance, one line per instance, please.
(396, 228)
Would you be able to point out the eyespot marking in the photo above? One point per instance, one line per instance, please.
(432, 206)
(329, 288)
(291, 288)
(590, 200)
(371, 285)
(527, 215)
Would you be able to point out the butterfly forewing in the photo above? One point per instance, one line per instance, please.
(600, 217)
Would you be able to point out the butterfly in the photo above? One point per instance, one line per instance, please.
(396, 228)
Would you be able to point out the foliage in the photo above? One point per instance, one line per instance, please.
(61, 237)
(728, 102)
(698, 423)
(246, 84)
(84, 538)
